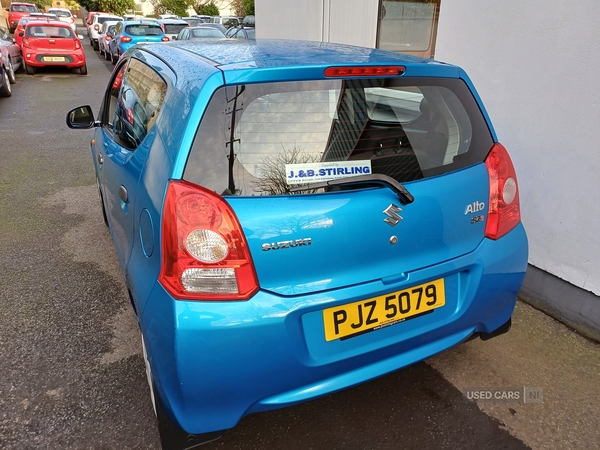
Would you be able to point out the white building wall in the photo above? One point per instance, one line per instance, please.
(341, 21)
(536, 65)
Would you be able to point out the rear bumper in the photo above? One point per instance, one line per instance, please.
(215, 362)
(37, 59)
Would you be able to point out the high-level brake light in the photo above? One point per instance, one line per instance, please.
(364, 71)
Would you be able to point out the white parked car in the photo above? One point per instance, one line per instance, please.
(172, 27)
(96, 25)
(64, 15)
(104, 37)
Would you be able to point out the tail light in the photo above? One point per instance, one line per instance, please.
(205, 255)
(165, 39)
(106, 37)
(125, 39)
(129, 115)
(97, 27)
(504, 211)
(77, 44)
(25, 42)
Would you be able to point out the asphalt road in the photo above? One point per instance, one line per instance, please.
(71, 370)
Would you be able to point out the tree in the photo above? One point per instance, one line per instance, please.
(272, 177)
(118, 7)
(177, 7)
(89, 5)
(42, 4)
(206, 9)
(242, 8)
(237, 7)
(248, 7)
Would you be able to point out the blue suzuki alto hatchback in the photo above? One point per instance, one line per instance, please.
(295, 218)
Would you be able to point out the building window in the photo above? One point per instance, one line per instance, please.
(408, 26)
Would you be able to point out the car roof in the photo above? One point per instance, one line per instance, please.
(22, 4)
(265, 53)
(42, 23)
(142, 22)
(172, 21)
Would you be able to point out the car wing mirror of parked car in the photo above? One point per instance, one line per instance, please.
(21, 33)
(81, 117)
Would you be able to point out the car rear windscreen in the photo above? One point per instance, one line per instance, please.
(174, 28)
(264, 139)
(144, 30)
(102, 19)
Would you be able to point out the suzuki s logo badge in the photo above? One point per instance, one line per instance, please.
(392, 215)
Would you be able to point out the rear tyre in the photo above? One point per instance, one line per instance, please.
(107, 56)
(95, 45)
(102, 205)
(11, 73)
(101, 50)
(114, 59)
(29, 69)
(172, 436)
(83, 69)
(5, 90)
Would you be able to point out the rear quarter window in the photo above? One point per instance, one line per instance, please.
(133, 103)
(264, 139)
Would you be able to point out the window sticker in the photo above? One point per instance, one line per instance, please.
(325, 171)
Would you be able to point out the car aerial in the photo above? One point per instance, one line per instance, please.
(48, 43)
(226, 21)
(199, 33)
(94, 27)
(64, 15)
(10, 55)
(295, 218)
(18, 10)
(241, 33)
(23, 21)
(172, 27)
(127, 34)
(106, 34)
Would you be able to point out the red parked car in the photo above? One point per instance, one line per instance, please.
(51, 43)
(25, 19)
(18, 10)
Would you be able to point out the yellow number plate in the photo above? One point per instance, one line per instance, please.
(373, 313)
(54, 58)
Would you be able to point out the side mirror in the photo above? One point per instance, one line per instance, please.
(21, 33)
(81, 118)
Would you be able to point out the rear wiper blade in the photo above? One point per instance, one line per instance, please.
(383, 180)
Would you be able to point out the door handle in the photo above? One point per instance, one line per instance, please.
(123, 194)
(99, 158)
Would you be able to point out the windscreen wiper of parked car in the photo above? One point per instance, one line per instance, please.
(383, 180)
